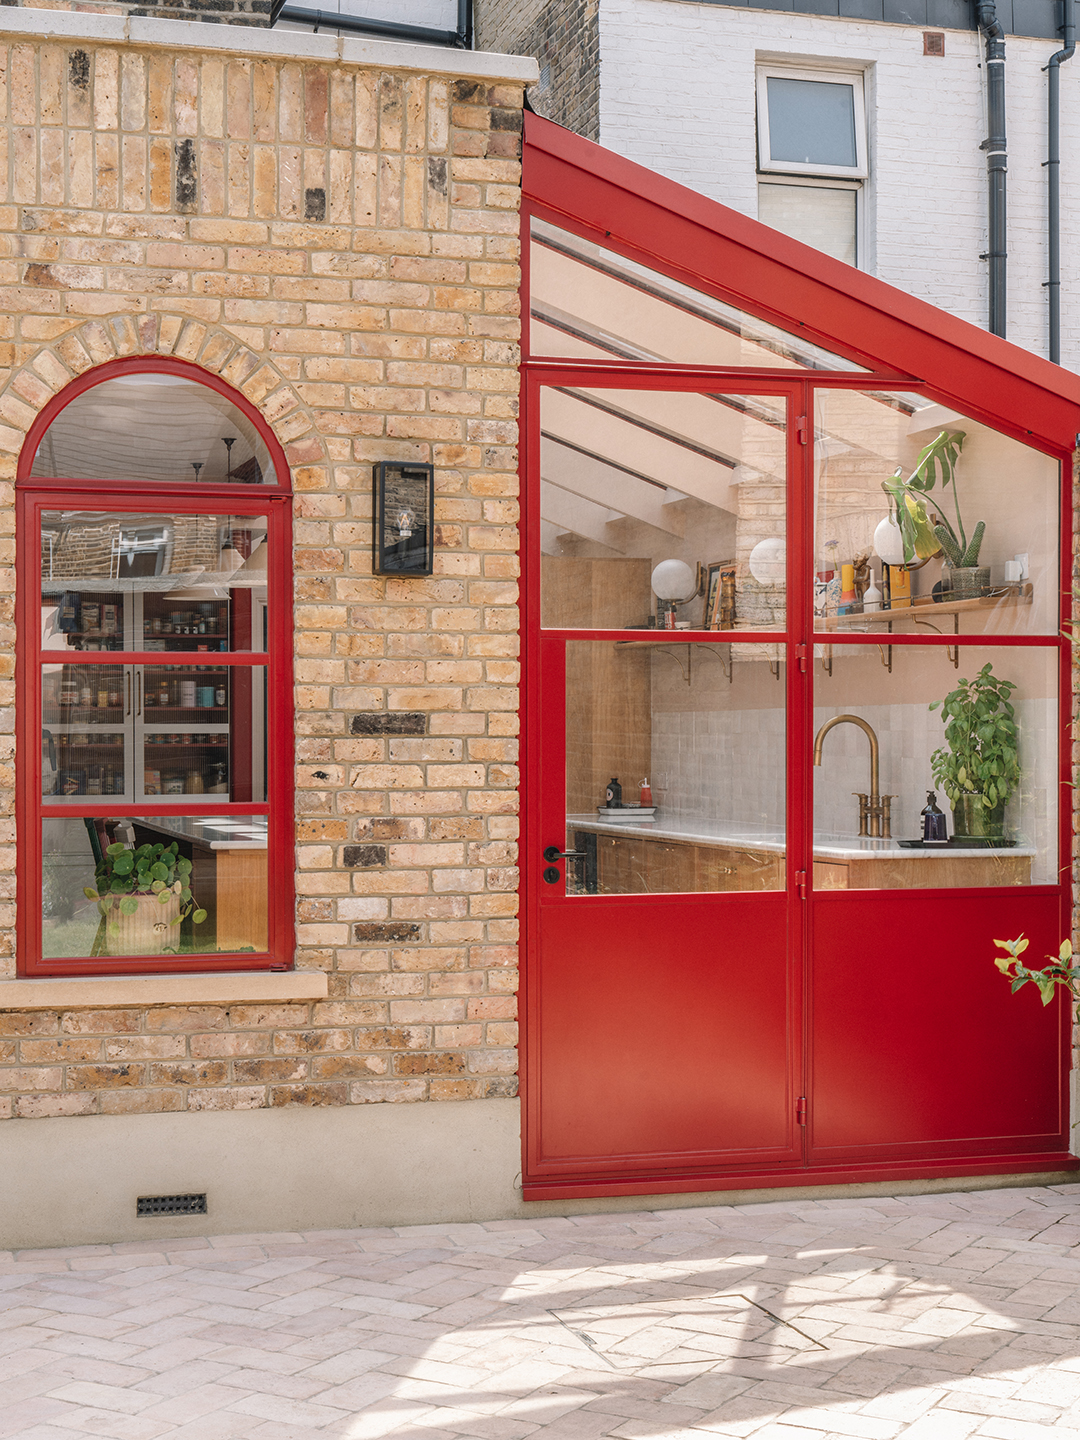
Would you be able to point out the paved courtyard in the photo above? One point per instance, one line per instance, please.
(931, 1317)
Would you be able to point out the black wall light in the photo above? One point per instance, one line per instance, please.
(403, 533)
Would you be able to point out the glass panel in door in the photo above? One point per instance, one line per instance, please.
(662, 509)
(675, 767)
(978, 553)
(883, 748)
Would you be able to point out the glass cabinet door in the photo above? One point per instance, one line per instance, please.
(85, 731)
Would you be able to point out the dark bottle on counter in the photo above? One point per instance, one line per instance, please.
(934, 829)
(614, 795)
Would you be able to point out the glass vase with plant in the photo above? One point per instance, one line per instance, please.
(144, 895)
(978, 767)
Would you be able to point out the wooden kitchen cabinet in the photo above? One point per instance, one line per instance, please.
(926, 872)
(633, 865)
(660, 865)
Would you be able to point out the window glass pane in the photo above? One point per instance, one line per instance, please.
(225, 874)
(159, 428)
(632, 478)
(705, 725)
(588, 302)
(153, 732)
(1001, 502)
(1012, 840)
(116, 581)
(815, 214)
(811, 122)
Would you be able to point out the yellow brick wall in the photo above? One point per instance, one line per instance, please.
(348, 258)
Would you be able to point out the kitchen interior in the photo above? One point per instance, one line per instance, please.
(664, 511)
(184, 729)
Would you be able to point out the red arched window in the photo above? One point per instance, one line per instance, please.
(155, 715)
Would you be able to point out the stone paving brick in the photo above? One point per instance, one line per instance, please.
(558, 1328)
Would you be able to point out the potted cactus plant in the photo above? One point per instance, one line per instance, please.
(978, 767)
(924, 538)
(143, 895)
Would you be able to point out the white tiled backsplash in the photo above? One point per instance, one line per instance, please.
(730, 765)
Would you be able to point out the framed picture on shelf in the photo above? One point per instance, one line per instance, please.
(720, 595)
(712, 593)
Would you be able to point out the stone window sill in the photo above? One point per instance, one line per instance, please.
(226, 987)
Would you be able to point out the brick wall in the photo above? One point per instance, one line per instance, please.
(564, 36)
(227, 12)
(340, 244)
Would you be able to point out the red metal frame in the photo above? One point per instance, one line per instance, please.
(271, 501)
(908, 345)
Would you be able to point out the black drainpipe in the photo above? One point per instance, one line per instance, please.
(1053, 176)
(996, 166)
(462, 37)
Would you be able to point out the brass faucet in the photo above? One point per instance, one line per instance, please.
(874, 809)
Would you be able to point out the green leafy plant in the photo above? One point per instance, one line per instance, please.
(1058, 972)
(922, 538)
(980, 756)
(123, 876)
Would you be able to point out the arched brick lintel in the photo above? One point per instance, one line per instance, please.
(26, 401)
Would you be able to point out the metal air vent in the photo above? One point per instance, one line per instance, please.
(170, 1205)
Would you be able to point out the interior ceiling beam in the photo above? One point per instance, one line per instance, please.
(629, 418)
(594, 430)
(590, 477)
(574, 512)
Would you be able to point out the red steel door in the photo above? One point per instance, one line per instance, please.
(665, 982)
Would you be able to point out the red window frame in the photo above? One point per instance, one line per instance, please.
(272, 501)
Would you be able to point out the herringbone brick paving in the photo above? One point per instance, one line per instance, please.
(933, 1317)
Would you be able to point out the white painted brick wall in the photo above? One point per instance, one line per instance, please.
(677, 94)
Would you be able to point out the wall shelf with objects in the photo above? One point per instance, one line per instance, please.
(923, 607)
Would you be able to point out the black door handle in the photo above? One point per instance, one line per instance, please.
(554, 853)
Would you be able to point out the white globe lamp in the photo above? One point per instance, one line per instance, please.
(889, 542)
(768, 562)
(674, 581)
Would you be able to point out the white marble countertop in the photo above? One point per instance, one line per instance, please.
(217, 832)
(827, 846)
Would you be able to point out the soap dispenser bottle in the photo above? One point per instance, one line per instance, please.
(614, 795)
(934, 831)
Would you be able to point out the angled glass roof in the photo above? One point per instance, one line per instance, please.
(589, 303)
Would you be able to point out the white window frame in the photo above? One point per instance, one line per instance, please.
(822, 182)
(853, 78)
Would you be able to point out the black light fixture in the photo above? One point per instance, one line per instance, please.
(197, 465)
(229, 441)
(403, 533)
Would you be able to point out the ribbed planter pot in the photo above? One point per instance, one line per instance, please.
(148, 931)
(967, 582)
(972, 821)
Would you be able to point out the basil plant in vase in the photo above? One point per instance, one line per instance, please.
(978, 767)
(143, 896)
(924, 538)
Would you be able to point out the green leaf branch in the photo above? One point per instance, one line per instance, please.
(1059, 972)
